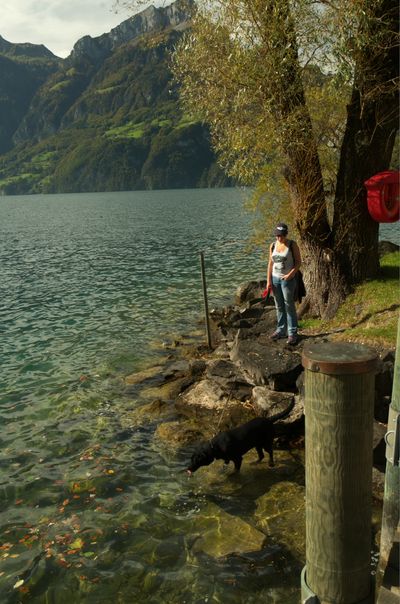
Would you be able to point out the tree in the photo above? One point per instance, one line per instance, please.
(260, 73)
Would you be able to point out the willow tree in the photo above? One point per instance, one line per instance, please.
(250, 69)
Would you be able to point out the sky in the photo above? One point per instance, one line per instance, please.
(57, 24)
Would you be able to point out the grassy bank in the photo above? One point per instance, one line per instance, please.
(370, 314)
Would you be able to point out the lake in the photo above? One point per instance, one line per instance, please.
(92, 285)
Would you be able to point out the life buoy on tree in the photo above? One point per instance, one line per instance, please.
(383, 196)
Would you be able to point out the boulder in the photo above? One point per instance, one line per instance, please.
(281, 513)
(221, 534)
(268, 403)
(178, 434)
(230, 377)
(267, 363)
(207, 399)
(142, 376)
(250, 290)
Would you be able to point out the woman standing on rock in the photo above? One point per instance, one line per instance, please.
(284, 262)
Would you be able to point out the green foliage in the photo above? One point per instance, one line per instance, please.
(129, 130)
(246, 67)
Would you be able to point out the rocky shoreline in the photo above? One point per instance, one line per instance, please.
(197, 392)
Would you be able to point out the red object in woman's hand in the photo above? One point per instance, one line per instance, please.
(266, 292)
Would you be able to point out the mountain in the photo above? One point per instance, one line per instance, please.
(23, 68)
(105, 118)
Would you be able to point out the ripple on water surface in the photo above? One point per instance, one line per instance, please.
(93, 507)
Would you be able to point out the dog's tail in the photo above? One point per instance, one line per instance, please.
(282, 414)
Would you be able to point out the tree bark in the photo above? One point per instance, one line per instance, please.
(372, 122)
(337, 257)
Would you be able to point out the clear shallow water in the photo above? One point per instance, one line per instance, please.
(90, 512)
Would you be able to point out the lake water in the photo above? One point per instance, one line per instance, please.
(89, 283)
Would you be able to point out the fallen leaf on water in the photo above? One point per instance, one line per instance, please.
(24, 589)
(77, 544)
(19, 583)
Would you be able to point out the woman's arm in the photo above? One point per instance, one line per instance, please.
(269, 269)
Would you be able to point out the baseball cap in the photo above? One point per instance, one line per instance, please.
(281, 229)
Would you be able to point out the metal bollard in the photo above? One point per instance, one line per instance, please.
(339, 401)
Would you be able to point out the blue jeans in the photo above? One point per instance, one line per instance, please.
(285, 308)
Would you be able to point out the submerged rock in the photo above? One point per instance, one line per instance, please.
(180, 433)
(221, 534)
(281, 513)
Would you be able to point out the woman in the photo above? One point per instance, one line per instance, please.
(284, 262)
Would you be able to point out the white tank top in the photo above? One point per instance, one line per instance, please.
(282, 262)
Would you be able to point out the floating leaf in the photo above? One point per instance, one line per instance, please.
(89, 554)
(77, 544)
(19, 583)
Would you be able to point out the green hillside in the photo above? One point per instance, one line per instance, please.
(107, 118)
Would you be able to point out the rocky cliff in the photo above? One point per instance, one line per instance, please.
(105, 118)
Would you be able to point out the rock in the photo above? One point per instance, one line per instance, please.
(230, 378)
(281, 512)
(378, 484)
(178, 434)
(209, 400)
(142, 376)
(383, 391)
(267, 362)
(379, 445)
(228, 534)
(268, 403)
(197, 368)
(167, 391)
(387, 247)
(249, 291)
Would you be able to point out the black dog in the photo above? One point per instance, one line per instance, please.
(231, 445)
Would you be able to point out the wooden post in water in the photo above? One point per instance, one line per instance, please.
(339, 401)
(203, 279)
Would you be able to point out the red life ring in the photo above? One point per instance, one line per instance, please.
(383, 196)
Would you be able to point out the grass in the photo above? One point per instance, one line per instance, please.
(370, 314)
(129, 130)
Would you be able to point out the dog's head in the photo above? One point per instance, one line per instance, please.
(201, 457)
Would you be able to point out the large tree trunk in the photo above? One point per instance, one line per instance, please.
(372, 122)
(324, 282)
(336, 258)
